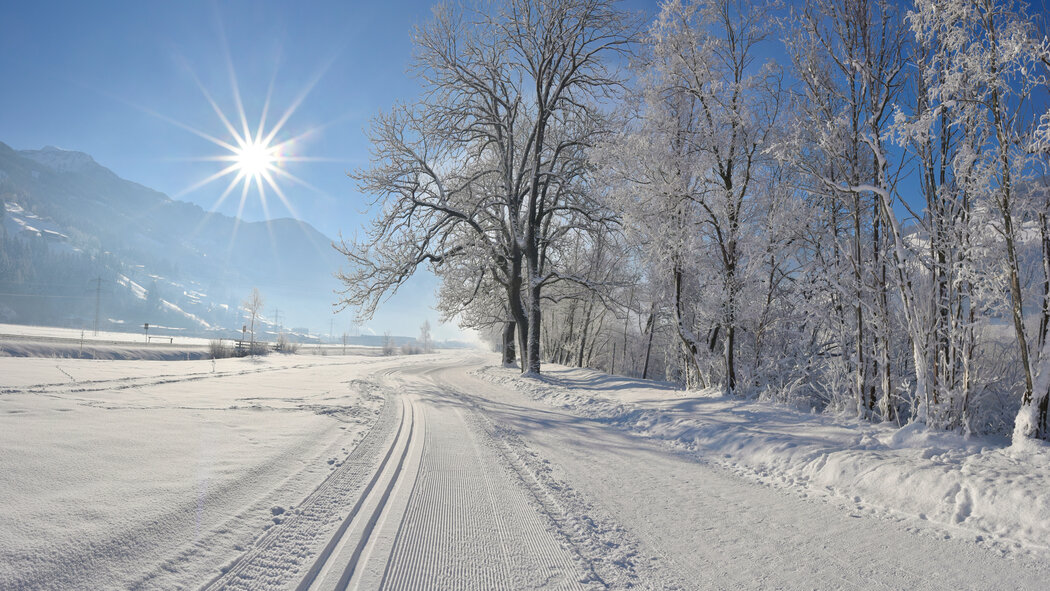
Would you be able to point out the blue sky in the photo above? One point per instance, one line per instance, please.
(86, 76)
(110, 78)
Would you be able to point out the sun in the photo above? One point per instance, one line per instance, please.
(255, 158)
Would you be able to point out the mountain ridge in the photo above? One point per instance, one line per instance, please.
(124, 228)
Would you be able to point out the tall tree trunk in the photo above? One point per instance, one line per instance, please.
(626, 324)
(585, 330)
(517, 311)
(650, 325)
(881, 338)
(509, 350)
(860, 376)
(917, 333)
(886, 402)
(1014, 279)
(563, 354)
(514, 303)
(533, 356)
(730, 345)
(689, 341)
(532, 266)
(1044, 317)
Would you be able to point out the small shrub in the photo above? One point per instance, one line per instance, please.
(388, 345)
(259, 348)
(286, 346)
(219, 349)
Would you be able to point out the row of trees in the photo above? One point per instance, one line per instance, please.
(860, 226)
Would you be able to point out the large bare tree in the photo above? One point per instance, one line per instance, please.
(485, 168)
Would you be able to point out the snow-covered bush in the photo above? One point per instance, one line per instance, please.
(219, 349)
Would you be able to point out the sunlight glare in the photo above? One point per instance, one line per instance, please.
(255, 158)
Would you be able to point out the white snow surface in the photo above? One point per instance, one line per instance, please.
(136, 289)
(117, 474)
(18, 222)
(983, 489)
(189, 316)
(45, 341)
(107, 336)
(426, 472)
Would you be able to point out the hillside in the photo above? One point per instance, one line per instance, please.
(75, 232)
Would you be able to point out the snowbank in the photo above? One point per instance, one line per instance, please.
(982, 487)
(68, 343)
(108, 352)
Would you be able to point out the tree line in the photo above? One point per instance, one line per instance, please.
(842, 205)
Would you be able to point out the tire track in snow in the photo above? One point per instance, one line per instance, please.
(611, 555)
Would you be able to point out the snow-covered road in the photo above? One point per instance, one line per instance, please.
(441, 480)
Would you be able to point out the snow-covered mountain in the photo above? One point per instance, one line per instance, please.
(67, 221)
(61, 160)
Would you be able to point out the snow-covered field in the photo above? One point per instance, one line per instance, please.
(164, 344)
(445, 472)
(103, 336)
(45, 341)
(123, 473)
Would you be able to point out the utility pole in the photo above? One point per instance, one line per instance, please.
(98, 300)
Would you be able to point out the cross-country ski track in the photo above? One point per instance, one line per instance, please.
(451, 481)
(439, 510)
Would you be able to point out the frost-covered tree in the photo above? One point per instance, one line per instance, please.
(253, 307)
(983, 68)
(849, 58)
(425, 340)
(581, 307)
(693, 169)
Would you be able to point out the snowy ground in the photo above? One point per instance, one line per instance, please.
(436, 472)
(977, 488)
(127, 473)
(45, 341)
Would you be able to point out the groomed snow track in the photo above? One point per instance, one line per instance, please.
(428, 500)
(338, 562)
